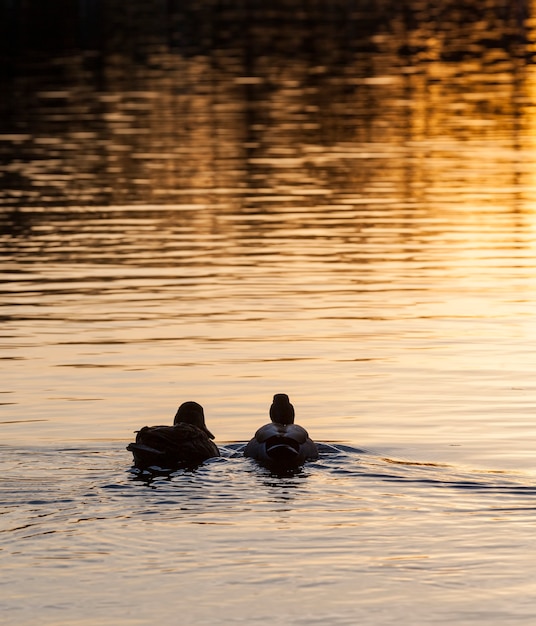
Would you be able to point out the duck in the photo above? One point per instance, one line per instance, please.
(281, 445)
(186, 444)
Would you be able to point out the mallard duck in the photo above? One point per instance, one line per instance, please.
(281, 445)
(185, 444)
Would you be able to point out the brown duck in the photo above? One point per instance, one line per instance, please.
(185, 444)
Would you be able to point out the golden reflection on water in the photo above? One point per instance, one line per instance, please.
(353, 201)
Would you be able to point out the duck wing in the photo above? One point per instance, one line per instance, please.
(193, 445)
(161, 438)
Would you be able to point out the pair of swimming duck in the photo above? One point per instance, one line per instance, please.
(279, 445)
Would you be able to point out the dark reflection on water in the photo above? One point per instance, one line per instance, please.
(248, 106)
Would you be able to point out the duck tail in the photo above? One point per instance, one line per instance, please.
(145, 456)
(282, 453)
(282, 450)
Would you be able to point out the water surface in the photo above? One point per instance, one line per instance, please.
(192, 207)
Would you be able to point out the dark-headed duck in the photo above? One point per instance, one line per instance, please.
(185, 444)
(281, 445)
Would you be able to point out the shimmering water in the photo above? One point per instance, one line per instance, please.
(219, 204)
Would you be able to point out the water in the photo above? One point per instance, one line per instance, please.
(337, 204)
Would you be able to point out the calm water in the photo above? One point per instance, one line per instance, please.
(219, 204)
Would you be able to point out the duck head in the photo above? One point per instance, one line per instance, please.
(192, 413)
(281, 411)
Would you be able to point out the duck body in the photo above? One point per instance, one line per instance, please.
(281, 445)
(185, 444)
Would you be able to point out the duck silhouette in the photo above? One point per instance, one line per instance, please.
(185, 444)
(281, 445)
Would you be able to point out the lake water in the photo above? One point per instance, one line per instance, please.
(223, 202)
